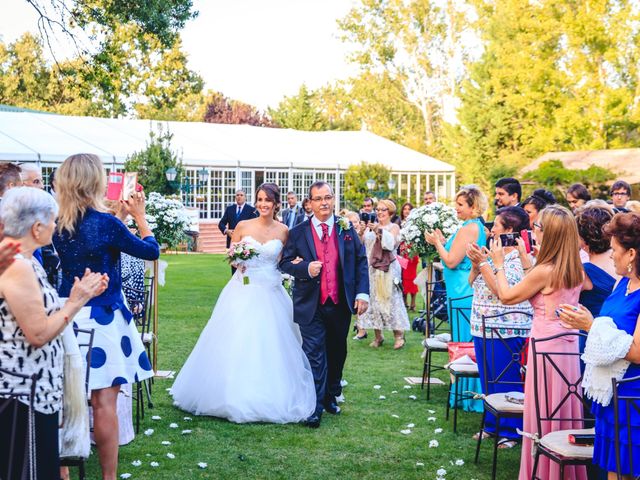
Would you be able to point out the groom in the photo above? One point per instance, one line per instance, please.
(331, 284)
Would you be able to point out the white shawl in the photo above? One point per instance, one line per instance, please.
(604, 358)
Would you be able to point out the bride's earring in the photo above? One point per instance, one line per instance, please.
(629, 268)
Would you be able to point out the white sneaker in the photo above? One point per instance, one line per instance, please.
(340, 398)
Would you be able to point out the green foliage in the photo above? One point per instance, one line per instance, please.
(554, 176)
(355, 183)
(153, 162)
(299, 112)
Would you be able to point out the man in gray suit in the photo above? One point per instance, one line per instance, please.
(291, 215)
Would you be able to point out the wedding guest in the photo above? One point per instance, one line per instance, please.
(508, 192)
(633, 206)
(385, 310)
(354, 218)
(88, 237)
(9, 177)
(306, 213)
(31, 175)
(367, 212)
(577, 195)
(410, 272)
(623, 306)
(32, 318)
(235, 213)
(555, 279)
(513, 327)
(620, 194)
(534, 204)
(471, 203)
(291, 214)
(429, 197)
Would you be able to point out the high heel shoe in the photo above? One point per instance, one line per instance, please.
(399, 343)
(360, 337)
(377, 342)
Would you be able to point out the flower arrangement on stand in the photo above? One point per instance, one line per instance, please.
(167, 219)
(428, 218)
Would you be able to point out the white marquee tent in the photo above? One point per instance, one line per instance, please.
(236, 156)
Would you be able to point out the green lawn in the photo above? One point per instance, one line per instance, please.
(363, 442)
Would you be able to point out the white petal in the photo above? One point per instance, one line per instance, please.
(395, 416)
(431, 419)
(187, 419)
(154, 464)
(431, 411)
(459, 462)
(136, 463)
(156, 417)
(405, 432)
(171, 456)
(441, 472)
(395, 391)
(148, 431)
(382, 397)
(125, 475)
(437, 430)
(377, 387)
(186, 432)
(202, 465)
(410, 425)
(413, 397)
(407, 387)
(419, 464)
(173, 425)
(166, 442)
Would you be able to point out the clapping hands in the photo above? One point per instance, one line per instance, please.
(89, 286)
(434, 237)
(477, 254)
(497, 252)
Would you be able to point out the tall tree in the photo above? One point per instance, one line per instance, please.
(221, 109)
(300, 112)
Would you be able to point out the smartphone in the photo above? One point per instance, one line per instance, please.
(129, 184)
(367, 217)
(582, 438)
(509, 239)
(529, 241)
(114, 186)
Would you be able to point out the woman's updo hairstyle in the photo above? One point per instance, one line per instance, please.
(625, 227)
(591, 220)
(515, 218)
(272, 192)
(540, 198)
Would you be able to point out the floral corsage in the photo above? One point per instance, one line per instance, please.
(343, 224)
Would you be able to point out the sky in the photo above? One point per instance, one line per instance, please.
(256, 51)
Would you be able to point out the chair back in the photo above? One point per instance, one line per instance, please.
(549, 360)
(626, 405)
(458, 314)
(438, 319)
(9, 404)
(85, 340)
(502, 366)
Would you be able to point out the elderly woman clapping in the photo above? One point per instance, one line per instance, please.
(32, 318)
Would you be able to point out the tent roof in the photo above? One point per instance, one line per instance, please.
(28, 136)
(624, 162)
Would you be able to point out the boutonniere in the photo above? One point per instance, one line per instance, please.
(343, 224)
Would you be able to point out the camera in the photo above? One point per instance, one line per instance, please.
(368, 217)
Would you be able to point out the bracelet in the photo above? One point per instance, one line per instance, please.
(499, 269)
(482, 264)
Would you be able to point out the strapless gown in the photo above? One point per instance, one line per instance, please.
(248, 364)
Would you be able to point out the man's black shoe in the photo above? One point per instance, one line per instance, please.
(314, 420)
(332, 407)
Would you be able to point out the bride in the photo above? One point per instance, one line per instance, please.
(248, 364)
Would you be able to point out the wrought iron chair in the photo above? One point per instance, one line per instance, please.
(495, 377)
(623, 405)
(458, 372)
(555, 445)
(85, 341)
(9, 403)
(436, 323)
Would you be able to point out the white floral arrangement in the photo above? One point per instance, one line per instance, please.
(167, 219)
(428, 218)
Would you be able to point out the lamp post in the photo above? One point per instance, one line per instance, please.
(381, 193)
(203, 177)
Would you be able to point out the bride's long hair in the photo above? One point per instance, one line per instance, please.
(272, 192)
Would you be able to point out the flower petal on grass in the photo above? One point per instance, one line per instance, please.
(431, 411)
(377, 387)
(149, 431)
(382, 397)
(411, 425)
(434, 444)
(431, 419)
(156, 417)
(405, 431)
(395, 391)
(187, 419)
(186, 432)
(459, 462)
(171, 456)
(202, 465)
(419, 464)
(154, 464)
(407, 387)
(173, 425)
(166, 442)
(136, 463)
(125, 475)
(441, 472)
(437, 430)
(395, 416)
(413, 397)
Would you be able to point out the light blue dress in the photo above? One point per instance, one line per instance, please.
(457, 284)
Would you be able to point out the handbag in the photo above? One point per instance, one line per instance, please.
(460, 349)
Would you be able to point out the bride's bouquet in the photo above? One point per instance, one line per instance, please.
(239, 253)
(428, 218)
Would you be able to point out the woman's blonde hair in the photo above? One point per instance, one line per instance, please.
(475, 199)
(388, 204)
(80, 184)
(560, 247)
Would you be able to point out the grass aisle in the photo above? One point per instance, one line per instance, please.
(365, 441)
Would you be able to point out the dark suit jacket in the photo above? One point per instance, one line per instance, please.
(306, 290)
(287, 212)
(229, 220)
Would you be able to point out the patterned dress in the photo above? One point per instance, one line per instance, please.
(386, 306)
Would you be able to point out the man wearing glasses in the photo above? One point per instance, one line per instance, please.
(234, 214)
(32, 175)
(329, 264)
(620, 194)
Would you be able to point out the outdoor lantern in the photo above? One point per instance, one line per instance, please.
(371, 184)
(171, 174)
(203, 175)
(391, 184)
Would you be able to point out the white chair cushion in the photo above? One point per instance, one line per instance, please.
(147, 338)
(464, 369)
(499, 402)
(434, 344)
(558, 442)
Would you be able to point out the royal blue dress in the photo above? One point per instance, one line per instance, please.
(457, 284)
(118, 355)
(624, 310)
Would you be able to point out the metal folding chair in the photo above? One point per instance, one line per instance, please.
(435, 324)
(623, 405)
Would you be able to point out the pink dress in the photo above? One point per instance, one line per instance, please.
(545, 324)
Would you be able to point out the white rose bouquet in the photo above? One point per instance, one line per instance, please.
(428, 218)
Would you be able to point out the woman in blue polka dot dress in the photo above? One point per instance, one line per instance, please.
(88, 237)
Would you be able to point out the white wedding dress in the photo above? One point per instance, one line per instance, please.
(248, 364)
